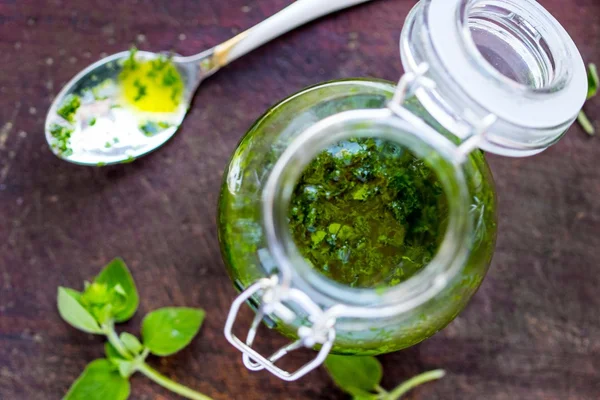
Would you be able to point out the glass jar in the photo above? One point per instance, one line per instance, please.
(502, 76)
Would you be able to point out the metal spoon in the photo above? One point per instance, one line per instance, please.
(102, 133)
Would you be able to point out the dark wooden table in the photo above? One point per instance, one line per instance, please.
(531, 332)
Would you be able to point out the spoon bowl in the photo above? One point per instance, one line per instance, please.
(107, 129)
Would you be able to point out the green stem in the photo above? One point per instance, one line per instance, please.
(169, 384)
(586, 124)
(380, 390)
(113, 338)
(109, 330)
(142, 357)
(414, 382)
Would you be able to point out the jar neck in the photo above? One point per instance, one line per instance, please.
(509, 58)
(408, 132)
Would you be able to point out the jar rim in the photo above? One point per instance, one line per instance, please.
(410, 132)
(560, 74)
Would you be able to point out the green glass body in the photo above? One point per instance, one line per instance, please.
(243, 243)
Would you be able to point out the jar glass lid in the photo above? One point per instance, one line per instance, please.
(508, 58)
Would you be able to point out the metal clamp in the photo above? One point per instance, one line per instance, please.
(273, 296)
(479, 129)
(411, 81)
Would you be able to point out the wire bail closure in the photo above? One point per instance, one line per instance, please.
(273, 296)
(410, 82)
(277, 298)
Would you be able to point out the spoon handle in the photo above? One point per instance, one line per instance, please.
(296, 14)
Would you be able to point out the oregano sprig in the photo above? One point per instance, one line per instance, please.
(360, 376)
(593, 83)
(110, 298)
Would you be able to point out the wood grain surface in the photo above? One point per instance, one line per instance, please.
(531, 332)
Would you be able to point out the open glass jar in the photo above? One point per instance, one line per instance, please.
(502, 76)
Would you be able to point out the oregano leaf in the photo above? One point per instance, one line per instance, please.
(99, 381)
(117, 278)
(131, 343)
(126, 368)
(167, 330)
(356, 375)
(73, 312)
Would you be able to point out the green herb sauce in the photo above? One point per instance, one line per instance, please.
(368, 213)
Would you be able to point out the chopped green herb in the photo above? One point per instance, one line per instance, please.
(175, 94)
(367, 213)
(115, 140)
(129, 159)
(131, 63)
(170, 77)
(62, 135)
(151, 128)
(141, 90)
(98, 97)
(158, 65)
(92, 121)
(318, 237)
(98, 89)
(69, 107)
(101, 164)
(107, 145)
